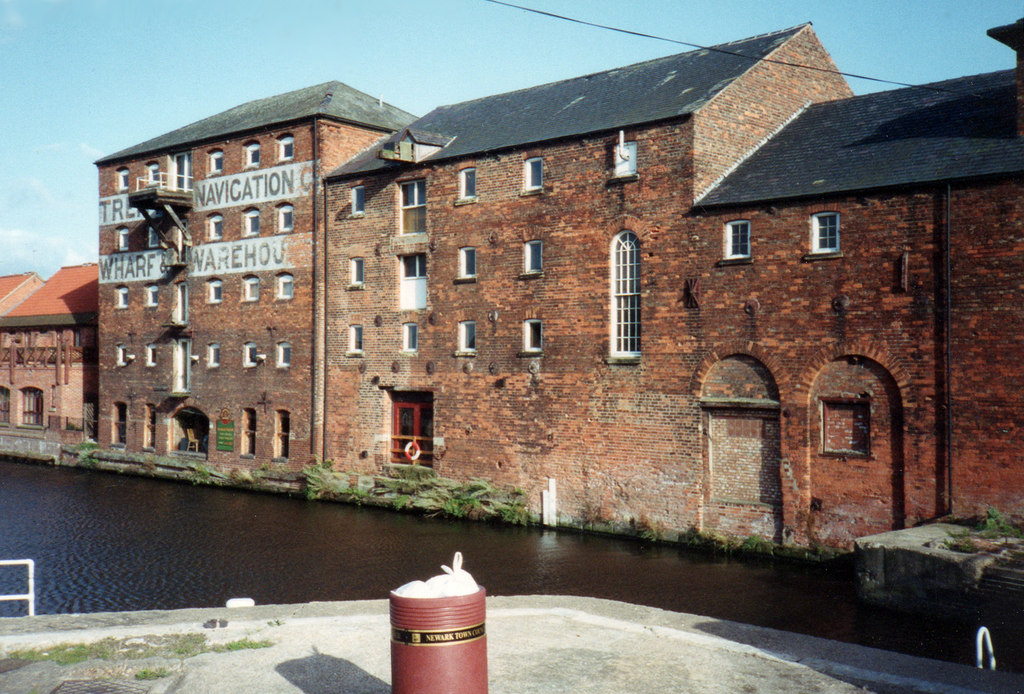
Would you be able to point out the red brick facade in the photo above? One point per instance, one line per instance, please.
(795, 395)
(248, 336)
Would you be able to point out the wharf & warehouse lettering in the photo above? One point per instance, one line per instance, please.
(227, 257)
(252, 187)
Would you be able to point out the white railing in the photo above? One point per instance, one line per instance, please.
(30, 596)
(162, 180)
(983, 648)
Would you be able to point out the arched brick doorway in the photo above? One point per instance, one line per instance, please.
(856, 451)
(740, 418)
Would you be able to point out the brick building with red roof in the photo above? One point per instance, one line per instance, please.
(48, 376)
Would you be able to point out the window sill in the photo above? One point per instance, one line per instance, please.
(465, 353)
(354, 354)
(465, 201)
(622, 361)
(247, 456)
(357, 215)
(530, 275)
(727, 262)
(861, 455)
(465, 280)
(530, 353)
(279, 460)
(527, 192)
(355, 287)
(822, 255)
(119, 446)
(31, 427)
(627, 178)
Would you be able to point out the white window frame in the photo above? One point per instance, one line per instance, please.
(181, 303)
(357, 272)
(215, 227)
(285, 148)
(817, 230)
(122, 355)
(182, 170)
(467, 337)
(285, 219)
(626, 295)
(358, 200)
(284, 355)
(737, 226)
(533, 174)
(533, 335)
(528, 257)
(412, 287)
(152, 238)
(152, 295)
(625, 159)
(467, 184)
(214, 290)
(213, 355)
(467, 262)
(252, 155)
(414, 197)
(151, 355)
(250, 288)
(122, 238)
(410, 337)
(153, 173)
(252, 223)
(122, 297)
(215, 162)
(285, 286)
(123, 179)
(250, 354)
(355, 339)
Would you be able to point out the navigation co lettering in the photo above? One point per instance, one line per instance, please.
(243, 188)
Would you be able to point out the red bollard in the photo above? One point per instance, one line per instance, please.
(439, 645)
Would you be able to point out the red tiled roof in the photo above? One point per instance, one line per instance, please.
(9, 283)
(71, 290)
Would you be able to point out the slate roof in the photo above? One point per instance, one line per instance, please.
(70, 296)
(331, 99)
(886, 139)
(669, 87)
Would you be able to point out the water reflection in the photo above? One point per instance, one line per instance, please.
(104, 542)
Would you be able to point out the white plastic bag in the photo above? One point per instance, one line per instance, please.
(453, 582)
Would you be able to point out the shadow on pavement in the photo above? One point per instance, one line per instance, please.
(324, 674)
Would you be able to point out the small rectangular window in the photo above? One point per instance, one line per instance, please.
(737, 239)
(467, 336)
(252, 154)
(214, 291)
(152, 238)
(355, 339)
(413, 285)
(410, 337)
(467, 184)
(152, 295)
(625, 159)
(212, 355)
(283, 434)
(122, 239)
(467, 262)
(250, 356)
(122, 297)
(122, 355)
(533, 335)
(149, 434)
(825, 233)
(215, 228)
(216, 162)
(356, 268)
(533, 256)
(533, 174)
(285, 286)
(284, 354)
(414, 207)
(286, 148)
(285, 219)
(249, 431)
(122, 179)
(150, 355)
(358, 200)
(252, 223)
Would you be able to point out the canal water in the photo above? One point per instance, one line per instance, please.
(105, 542)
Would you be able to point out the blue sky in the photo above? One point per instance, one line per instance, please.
(80, 79)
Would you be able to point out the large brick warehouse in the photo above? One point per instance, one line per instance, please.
(713, 290)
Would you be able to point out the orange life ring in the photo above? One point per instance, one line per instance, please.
(415, 447)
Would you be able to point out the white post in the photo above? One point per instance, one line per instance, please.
(549, 504)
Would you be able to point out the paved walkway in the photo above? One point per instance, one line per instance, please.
(538, 644)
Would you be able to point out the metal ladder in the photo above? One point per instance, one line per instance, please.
(30, 595)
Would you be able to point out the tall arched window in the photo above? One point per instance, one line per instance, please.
(625, 323)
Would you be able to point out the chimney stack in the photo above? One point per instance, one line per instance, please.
(1013, 36)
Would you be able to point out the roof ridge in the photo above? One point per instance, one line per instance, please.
(623, 67)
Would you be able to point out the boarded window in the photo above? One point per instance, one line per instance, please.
(846, 426)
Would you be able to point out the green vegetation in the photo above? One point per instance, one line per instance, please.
(991, 532)
(138, 648)
(241, 645)
(147, 674)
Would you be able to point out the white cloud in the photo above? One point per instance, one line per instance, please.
(88, 150)
(25, 251)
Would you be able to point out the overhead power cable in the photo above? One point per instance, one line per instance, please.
(715, 49)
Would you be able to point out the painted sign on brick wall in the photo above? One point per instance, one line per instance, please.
(223, 258)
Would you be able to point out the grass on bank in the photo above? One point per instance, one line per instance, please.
(136, 648)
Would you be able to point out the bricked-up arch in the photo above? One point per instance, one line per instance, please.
(740, 418)
(855, 417)
(190, 431)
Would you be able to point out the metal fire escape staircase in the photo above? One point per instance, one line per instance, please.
(163, 200)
